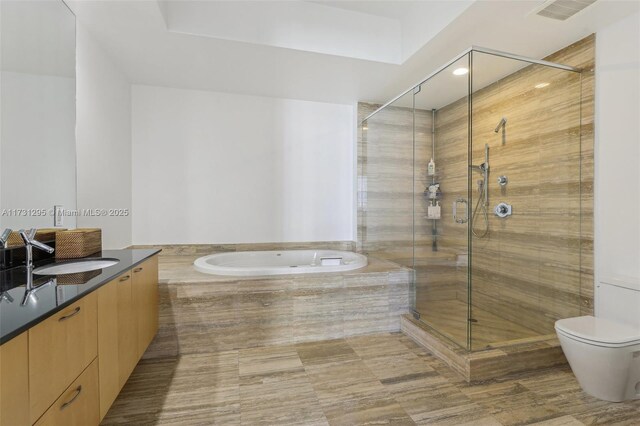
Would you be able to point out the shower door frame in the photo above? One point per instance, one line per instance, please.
(460, 56)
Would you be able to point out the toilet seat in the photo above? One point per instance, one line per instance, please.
(598, 331)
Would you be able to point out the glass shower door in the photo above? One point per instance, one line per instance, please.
(526, 239)
(442, 202)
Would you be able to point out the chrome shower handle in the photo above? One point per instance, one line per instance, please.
(503, 210)
(464, 219)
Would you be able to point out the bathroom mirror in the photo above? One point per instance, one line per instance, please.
(37, 113)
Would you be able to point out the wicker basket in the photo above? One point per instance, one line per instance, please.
(77, 243)
(43, 235)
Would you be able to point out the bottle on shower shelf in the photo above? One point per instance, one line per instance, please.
(431, 168)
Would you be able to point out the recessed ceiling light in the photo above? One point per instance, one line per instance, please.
(541, 85)
(460, 71)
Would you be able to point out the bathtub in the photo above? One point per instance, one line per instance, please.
(247, 263)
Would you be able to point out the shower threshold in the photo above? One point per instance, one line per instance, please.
(502, 359)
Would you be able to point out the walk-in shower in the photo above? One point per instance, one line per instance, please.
(500, 259)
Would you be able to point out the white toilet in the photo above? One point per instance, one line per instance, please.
(604, 351)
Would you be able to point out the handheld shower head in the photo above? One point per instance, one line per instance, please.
(501, 124)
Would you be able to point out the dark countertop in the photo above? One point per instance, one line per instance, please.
(49, 299)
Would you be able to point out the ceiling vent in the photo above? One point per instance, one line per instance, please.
(562, 10)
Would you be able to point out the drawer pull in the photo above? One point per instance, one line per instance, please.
(126, 277)
(137, 270)
(68, 403)
(75, 312)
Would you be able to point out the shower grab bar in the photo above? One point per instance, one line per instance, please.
(465, 219)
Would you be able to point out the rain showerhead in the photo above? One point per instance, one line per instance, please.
(502, 123)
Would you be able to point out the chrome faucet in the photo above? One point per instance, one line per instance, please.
(5, 237)
(29, 242)
(31, 292)
(6, 296)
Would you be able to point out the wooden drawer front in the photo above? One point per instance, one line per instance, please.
(14, 381)
(145, 291)
(60, 348)
(127, 330)
(78, 404)
(108, 345)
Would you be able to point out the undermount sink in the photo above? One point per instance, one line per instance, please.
(75, 266)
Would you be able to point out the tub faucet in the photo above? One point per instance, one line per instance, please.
(29, 242)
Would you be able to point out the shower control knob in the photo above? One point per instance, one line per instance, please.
(503, 180)
(503, 210)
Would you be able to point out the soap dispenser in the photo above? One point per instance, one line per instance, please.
(431, 168)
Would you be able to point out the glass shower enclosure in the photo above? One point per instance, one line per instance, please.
(472, 179)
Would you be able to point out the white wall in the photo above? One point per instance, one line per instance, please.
(212, 167)
(617, 155)
(103, 141)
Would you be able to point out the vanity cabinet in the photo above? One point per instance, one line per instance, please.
(68, 369)
(60, 348)
(14, 386)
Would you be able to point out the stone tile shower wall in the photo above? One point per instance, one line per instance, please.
(385, 181)
(536, 266)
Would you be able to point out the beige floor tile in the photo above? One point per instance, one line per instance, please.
(395, 370)
(345, 380)
(435, 399)
(230, 415)
(268, 360)
(315, 353)
(512, 404)
(279, 398)
(185, 389)
(467, 415)
(377, 345)
(560, 421)
(376, 411)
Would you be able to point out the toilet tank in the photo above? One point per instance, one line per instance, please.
(618, 299)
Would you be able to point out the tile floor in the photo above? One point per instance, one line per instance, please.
(377, 379)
